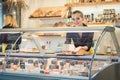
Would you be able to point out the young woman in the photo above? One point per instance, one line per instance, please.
(82, 41)
(9, 39)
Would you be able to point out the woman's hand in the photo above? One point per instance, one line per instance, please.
(79, 48)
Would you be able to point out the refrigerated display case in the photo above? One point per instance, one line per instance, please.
(56, 66)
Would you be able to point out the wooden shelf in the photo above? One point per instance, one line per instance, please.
(91, 3)
(99, 23)
(47, 18)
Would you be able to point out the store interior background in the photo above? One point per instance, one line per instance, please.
(86, 9)
(58, 40)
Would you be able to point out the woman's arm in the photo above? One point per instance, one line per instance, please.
(89, 40)
(68, 38)
(88, 43)
(79, 48)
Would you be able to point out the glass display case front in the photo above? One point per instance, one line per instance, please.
(44, 55)
(53, 67)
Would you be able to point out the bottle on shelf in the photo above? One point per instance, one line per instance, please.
(69, 15)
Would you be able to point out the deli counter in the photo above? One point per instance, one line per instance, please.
(61, 64)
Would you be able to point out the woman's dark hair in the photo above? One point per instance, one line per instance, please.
(77, 11)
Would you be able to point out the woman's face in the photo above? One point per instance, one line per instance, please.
(77, 19)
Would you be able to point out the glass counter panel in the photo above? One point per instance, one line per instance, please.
(46, 54)
(51, 66)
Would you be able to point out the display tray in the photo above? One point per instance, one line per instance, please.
(44, 16)
(47, 17)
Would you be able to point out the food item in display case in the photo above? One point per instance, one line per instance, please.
(41, 71)
(1, 65)
(14, 67)
(8, 62)
(50, 67)
(16, 61)
(35, 63)
(35, 50)
(54, 64)
(12, 64)
(44, 64)
(27, 64)
(47, 72)
(22, 65)
(15, 64)
(62, 64)
(84, 72)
